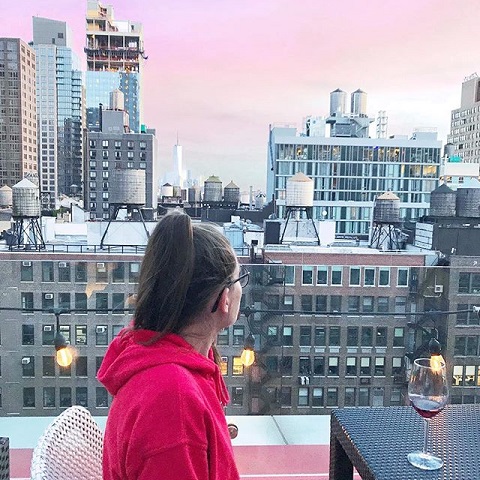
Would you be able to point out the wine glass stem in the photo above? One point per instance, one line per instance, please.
(425, 441)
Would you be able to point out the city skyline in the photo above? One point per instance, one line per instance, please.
(220, 72)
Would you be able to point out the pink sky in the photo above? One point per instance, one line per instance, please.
(220, 71)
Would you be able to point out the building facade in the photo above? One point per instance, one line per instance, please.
(18, 112)
(115, 56)
(113, 150)
(61, 111)
(349, 173)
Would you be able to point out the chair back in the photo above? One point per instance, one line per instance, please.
(70, 448)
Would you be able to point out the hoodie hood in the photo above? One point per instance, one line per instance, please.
(133, 351)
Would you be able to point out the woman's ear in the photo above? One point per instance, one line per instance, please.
(224, 303)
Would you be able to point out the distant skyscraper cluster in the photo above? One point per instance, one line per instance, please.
(50, 109)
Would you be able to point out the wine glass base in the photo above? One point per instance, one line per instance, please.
(424, 461)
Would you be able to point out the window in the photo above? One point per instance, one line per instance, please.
(47, 301)
(305, 336)
(48, 333)
(398, 337)
(400, 304)
(65, 397)
(384, 278)
(317, 397)
(286, 365)
(237, 396)
(367, 304)
(105, 143)
(353, 304)
(307, 275)
(336, 303)
(395, 397)
(351, 366)
(402, 277)
(116, 329)
(47, 272)
(332, 397)
(63, 271)
(101, 397)
(64, 301)
(352, 336)
(222, 337)
(349, 397)
(237, 366)
(289, 275)
(381, 337)
(307, 303)
(65, 331)
(134, 272)
(369, 280)
(336, 276)
(49, 397)
(379, 369)
(287, 336)
(354, 276)
(272, 334)
(333, 366)
(304, 366)
(363, 397)
(28, 366)
(28, 335)
(80, 334)
(322, 275)
(101, 303)
(81, 367)
(81, 396)
(334, 337)
(238, 335)
(101, 272)
(286, 396)
(98, 363)
(288, 302)
(81, 272)
(27, 301)
(365, 368)
(271, 363)
(303, 397)
(29, 397)
(101, 335)
(118, 273)
(118, 303)
(26, 272)
(319, 365)
(321, 303)
(320, 336)
(469, 282)
(224, 365)
(383, 304)
(81, 302)
(367, 337)
(397, 365)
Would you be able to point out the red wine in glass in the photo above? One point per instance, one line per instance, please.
(426, 408)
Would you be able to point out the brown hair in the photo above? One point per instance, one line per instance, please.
(185, 264)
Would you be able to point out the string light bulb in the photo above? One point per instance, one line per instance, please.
(437, 362)
(248, 354)
(64, 356)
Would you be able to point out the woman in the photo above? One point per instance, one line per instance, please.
(166, 420)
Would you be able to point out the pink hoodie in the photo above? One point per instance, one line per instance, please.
(166, 420)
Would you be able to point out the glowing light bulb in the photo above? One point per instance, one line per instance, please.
(247, 357)
(64, 357)
(437, 362)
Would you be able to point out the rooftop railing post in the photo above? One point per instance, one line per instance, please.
(4, 459)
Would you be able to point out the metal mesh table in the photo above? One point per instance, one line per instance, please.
(376, 442)
(4, 459)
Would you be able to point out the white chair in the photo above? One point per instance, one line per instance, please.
(70, 448)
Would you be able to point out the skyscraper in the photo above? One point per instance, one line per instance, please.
(465, 123)
(18, 122)
(115, 57)
(60, 107)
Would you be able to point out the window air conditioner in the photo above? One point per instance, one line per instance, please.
(438, 288)
(27, 264)
(49, 296)
(62, 264)
(25, 360)
(101, 267)
(101, 329)
(47, 328)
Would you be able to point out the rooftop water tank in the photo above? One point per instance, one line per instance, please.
(194, 195)
(299, 191)
(386, 209)
(359, 102)
(231, 193)
(167, 190)
(338, 99)
(212, 189)
(5, 196)
(259, 200)
(442, 202)
(127, 187)
(25, 199)
(468, 199)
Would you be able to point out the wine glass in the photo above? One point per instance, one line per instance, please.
(428, 395)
